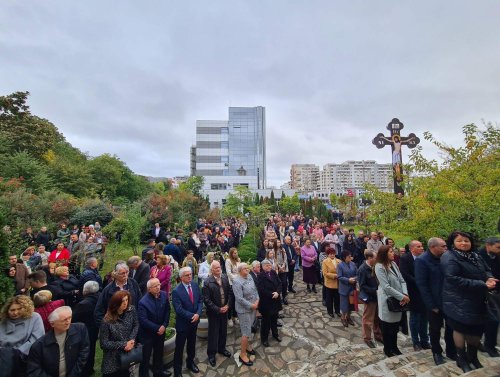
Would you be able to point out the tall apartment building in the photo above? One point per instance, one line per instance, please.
(304, 177)
(352, 175)
(231, 152)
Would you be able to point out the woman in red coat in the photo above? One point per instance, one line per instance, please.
(60, 256)
(44, 306)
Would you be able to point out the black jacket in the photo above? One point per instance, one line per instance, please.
(89, 274)
(261, 254)
(141, 276)
(254, 277)
(464, 289)
(266, 286)
(211, 295)
(290, 252)
(367, 283)
(407, 268)
(493, 263)
(43, 359)
(153, 313)
(429, 276)
(66, 289)
(83, 312)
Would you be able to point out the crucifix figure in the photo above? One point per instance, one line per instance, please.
(396, 141)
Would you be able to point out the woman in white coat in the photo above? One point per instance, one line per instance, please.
(391, 284)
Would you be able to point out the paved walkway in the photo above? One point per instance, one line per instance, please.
(316, 345)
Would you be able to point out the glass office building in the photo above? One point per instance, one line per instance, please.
(232, 152)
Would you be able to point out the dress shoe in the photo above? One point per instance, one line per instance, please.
(164, 373)
(350, 321)
(226, 353)
(370, 344)
(308, 290)
(438, 358)
(425, 346)
(177, 374)
(193, 368)
(280, 324)
(344, 322)
(396, 351)
(248, 363)
(285, 301)
(292, 290)
(277, 337)
(265, 343)
(211, 360)
(472, 356)
(331, 315)
(338, 314)
(251, 352)
(452, 356)
(314, 290)
(416, 347)
(492, 352)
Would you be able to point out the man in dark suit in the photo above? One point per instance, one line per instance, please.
(429, 276)
(218, 301)
(158, 233)
(418, 318)
(139, 271)
(154, 314)
(254, 273)
(290, 252)
(188, 303)
(269, 287)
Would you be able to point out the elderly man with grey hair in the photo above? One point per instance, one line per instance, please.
(90, 273)
(188, 304)
(139, 271)
(218, 301)
(121, 282)
(83, 312)
(63, 351)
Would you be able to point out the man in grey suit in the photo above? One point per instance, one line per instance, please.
(139, 271)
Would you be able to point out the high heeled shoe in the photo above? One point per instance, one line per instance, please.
(248, 363)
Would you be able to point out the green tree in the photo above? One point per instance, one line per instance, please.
(193, 185)
(6, 287)
(333, 199)
(24, 131)
(290, 205)
(23, 166)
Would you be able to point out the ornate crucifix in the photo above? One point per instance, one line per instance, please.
(396, 141)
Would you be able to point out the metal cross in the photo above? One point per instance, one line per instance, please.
(396, 141)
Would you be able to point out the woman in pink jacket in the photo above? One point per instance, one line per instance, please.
(309, 261)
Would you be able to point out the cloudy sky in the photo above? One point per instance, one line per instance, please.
(132, 77)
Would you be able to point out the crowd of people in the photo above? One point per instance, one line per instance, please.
(64, 303)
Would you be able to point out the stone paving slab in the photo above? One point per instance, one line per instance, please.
(316, 345)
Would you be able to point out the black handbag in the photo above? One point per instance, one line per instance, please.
(493, 302)
(394, 305)
(132, 357)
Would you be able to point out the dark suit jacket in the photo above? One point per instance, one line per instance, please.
(266, 286)
(152, 313)
(184, 308)
(407, 268)
(211, 295)
(429, 277)
(141, 276)
(161, 235)
(290, 251)
(254, 277)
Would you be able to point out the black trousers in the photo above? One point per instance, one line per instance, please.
(152, 344)
(291, 274)
(232, 311)
(89, 365)
(490, 334)
(187, 336)
(390, 336)
(436, 321)
(269, 322)
(283, 276)
(332, 300)
(217, 333)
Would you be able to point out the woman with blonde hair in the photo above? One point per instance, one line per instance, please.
(44, 306)
(20, 327)
(232, 262)
(163, 272)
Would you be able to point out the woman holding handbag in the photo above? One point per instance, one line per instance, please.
(117, 336)
(391, 290)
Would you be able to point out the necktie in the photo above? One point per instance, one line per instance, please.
(190, 294)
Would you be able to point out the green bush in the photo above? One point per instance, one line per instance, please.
(92, 212)
(249, 245)
(6, 287)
